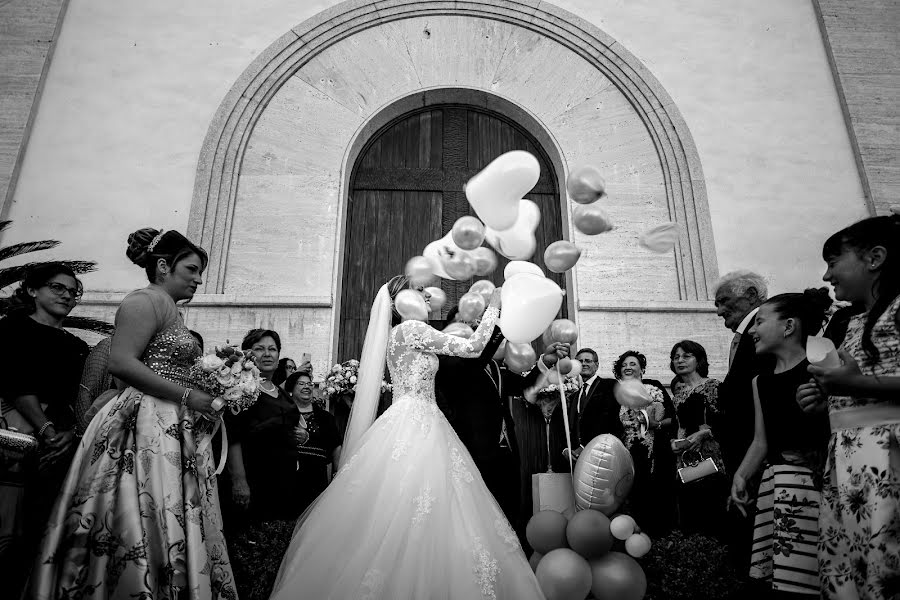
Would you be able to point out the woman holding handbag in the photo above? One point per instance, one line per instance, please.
(791, 444)
(702, 487)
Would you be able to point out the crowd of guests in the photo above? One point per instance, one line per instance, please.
(799, 463)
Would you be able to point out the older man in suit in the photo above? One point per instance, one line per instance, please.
(592, 409)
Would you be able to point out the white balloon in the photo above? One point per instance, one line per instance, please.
(494, 192)
(440, 251)
(530, 304)
(661, 238)
(411, 305)
(514, 267)
(460, 330)
(638, 544)
(622, 527)
(517, 242)
(820, 351)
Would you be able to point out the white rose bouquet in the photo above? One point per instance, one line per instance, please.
(230, 375)
(342, 379)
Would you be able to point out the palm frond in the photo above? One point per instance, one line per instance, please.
(11, 275)
(26, 247)
(4, 225)
(89, 324)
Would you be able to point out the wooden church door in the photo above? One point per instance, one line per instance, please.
(406, 190)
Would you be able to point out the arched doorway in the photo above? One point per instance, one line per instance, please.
(406, 190)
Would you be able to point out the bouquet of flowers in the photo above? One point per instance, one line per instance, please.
(342, 379)
(546, 395)
(230, 375)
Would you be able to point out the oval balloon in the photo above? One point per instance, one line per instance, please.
(485, 261)
(661, 238)
(468, 232)
(514, 267)
(564, 575)
(585, 184)
(411, 305)
(563, 330)
(484, 288)
(459, 330)
(419, 271)
(520, 358)
(631, 393)
(617, 576)
(603, 475)
(561, 256)
(438, 298)
(517, 242)
(529, 305)
(591, 219)
(459, 265)
(471, 306)
(495, 191)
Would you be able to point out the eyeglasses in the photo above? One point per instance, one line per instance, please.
(60, 290)
(305, 383)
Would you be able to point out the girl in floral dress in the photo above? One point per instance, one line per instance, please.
(859, 525)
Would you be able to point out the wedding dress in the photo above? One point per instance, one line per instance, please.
(408, 515)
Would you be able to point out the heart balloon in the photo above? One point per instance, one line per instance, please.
(520, 358)
(631, 393)
(563, 330)
(514, 267)
(517, 242)
(495, 191)
(468, 232)
(419, 271)
(585, 184)
(471, 306)
(484, 288)
(561, 256)
(591, 219)
(459, 330)
(438, 298)
(529, 305)
(411, 305)
(661, 238)
(603, 475)
(438, 251)
(485, 261)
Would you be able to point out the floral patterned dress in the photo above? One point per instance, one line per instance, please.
(408, 516)
(138, 516)
(859, 522)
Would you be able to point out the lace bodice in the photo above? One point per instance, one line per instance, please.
(413, 347)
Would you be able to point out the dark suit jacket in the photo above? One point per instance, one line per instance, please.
(474, 395)
(600, 413)
(736, 401)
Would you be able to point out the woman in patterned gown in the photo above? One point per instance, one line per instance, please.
(859, 523)
(138, 516)
(408, 516)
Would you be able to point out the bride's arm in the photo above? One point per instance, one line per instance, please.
(422, 336)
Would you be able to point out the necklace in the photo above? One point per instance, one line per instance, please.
(270, 390)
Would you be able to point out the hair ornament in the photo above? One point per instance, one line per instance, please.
(155, 240)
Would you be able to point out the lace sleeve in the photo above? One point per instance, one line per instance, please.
(421, 336)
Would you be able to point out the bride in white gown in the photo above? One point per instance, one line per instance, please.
(408, 515)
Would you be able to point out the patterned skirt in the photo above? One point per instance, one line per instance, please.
(786, 530)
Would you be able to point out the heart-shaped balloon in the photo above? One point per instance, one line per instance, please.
(661, 238)
(485, 261)
(438, 251)
(517, 242)
(419, 271)
(514, 267)
(438, 298)
(603, 475)
(468, 232)
(530, 303)
(484, 288)
(495, 191)
(561, 256)
(591, 219)
(411, 305)
(520, 357)
(585, 184)
(471, 306)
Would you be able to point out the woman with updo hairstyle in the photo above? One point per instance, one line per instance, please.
(42, 363)
(789, 444)
(142, 485)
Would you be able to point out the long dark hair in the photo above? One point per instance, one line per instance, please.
(861, 237)
(280, 374)
(36, 277)
(809, 308)
(170, 246)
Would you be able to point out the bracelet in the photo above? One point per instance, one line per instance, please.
(185, 395)
(44, 428)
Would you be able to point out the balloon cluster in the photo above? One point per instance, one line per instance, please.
(581, 552)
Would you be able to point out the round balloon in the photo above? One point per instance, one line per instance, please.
(564, 366)
(471, 306)
(546, 531)
(459, 330)
(622, 527)
(603, 475)
(483, 287)
(591, 219)
(534, 560)
(411, 305)
(468, 232)
(514, 267)
(495, 191)
(500, 353)
(588, 533)
(631, 393)
(520, 358)
(585, 184)
(661, 238)
(563, 575)
(460, 265)
(485, 261)
(438, 298)
(529, 305)
(563, 330)
(419, 271)
(638, 544)
(576, 368)
(617, 576)
(561, 256)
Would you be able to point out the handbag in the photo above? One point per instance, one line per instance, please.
(697, 469)
(15, 445)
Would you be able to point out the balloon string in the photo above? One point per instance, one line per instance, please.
(565, 406)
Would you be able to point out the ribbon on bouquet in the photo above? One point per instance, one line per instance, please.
(207, 440)
(562, 396)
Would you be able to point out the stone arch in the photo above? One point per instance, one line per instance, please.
(216, 187)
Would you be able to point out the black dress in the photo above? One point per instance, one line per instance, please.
(315, 455)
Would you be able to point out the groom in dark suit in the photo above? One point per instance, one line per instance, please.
(592, 409)
(474, 395)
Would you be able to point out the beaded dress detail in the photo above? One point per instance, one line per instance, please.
(139, 514)
(408, 515)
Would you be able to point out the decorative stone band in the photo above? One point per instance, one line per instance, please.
(865, 416)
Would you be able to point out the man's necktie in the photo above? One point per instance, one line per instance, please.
(735, 342)
(581, 396)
